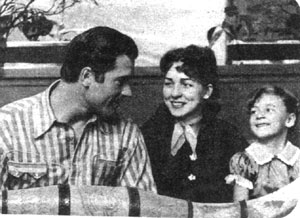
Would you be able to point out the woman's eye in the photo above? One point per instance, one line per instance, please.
(252, 111)
(270, 110)
(187, 85)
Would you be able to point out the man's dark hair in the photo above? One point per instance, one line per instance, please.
(97, 48)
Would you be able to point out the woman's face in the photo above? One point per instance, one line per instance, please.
(184, 95)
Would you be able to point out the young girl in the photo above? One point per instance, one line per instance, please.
(271, 161)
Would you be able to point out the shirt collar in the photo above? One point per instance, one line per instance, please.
(289, 155)
(43, 115)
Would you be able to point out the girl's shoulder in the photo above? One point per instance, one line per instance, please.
(243, 170)
(242, 163)
(242, 157)
(290, 154)
(259, 153)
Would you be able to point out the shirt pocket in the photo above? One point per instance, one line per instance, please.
(106, 172)
(25, 175)
(35, 170)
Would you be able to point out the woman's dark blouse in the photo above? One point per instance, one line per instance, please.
(217, 142)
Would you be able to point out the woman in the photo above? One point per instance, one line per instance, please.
(189, 147)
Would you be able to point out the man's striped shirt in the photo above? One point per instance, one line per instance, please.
(36, 150)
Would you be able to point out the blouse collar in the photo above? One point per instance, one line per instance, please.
(193, 123)
(185, 131)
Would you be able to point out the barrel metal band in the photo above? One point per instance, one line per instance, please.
(244, 209)
(134, 202)
(4, 202)
(190, 209)
(64, 205)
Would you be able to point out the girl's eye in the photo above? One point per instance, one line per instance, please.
(167, 83)
(269, 110)
(252, 111)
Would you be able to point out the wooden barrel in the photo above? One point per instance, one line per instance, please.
(122, 201)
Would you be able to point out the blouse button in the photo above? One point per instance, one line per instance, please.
(192, 177)
(193, 157)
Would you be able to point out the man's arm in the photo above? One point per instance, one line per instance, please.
(137, 172)
(5, 142)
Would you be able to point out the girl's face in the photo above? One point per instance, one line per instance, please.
(269, 117)
(183, 95)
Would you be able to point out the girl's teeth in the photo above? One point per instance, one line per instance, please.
(260, 125)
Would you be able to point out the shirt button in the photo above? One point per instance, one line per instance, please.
(192, 177)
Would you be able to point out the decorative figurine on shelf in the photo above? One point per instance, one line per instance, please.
(35, 25)
(235, 26)
(32, 21)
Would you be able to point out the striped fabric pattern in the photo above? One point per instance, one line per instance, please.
(36, 150)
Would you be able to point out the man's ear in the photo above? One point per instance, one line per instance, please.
(209, 91)
(291, 120)
(86, 76)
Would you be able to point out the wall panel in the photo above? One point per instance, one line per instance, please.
(235, 84)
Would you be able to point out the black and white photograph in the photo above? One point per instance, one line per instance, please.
(150, 108)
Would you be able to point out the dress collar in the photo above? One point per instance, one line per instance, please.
(289, 155)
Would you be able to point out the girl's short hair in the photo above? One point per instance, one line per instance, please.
(290, 101)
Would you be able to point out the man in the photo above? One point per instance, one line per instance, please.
(71, 133)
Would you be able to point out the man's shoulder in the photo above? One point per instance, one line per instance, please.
(124, 131)
(127, 122)
(118, 125)
(19, 106)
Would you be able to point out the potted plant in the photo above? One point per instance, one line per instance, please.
(32, 21)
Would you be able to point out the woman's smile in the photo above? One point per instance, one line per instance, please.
(183, 95)
(178, 104)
